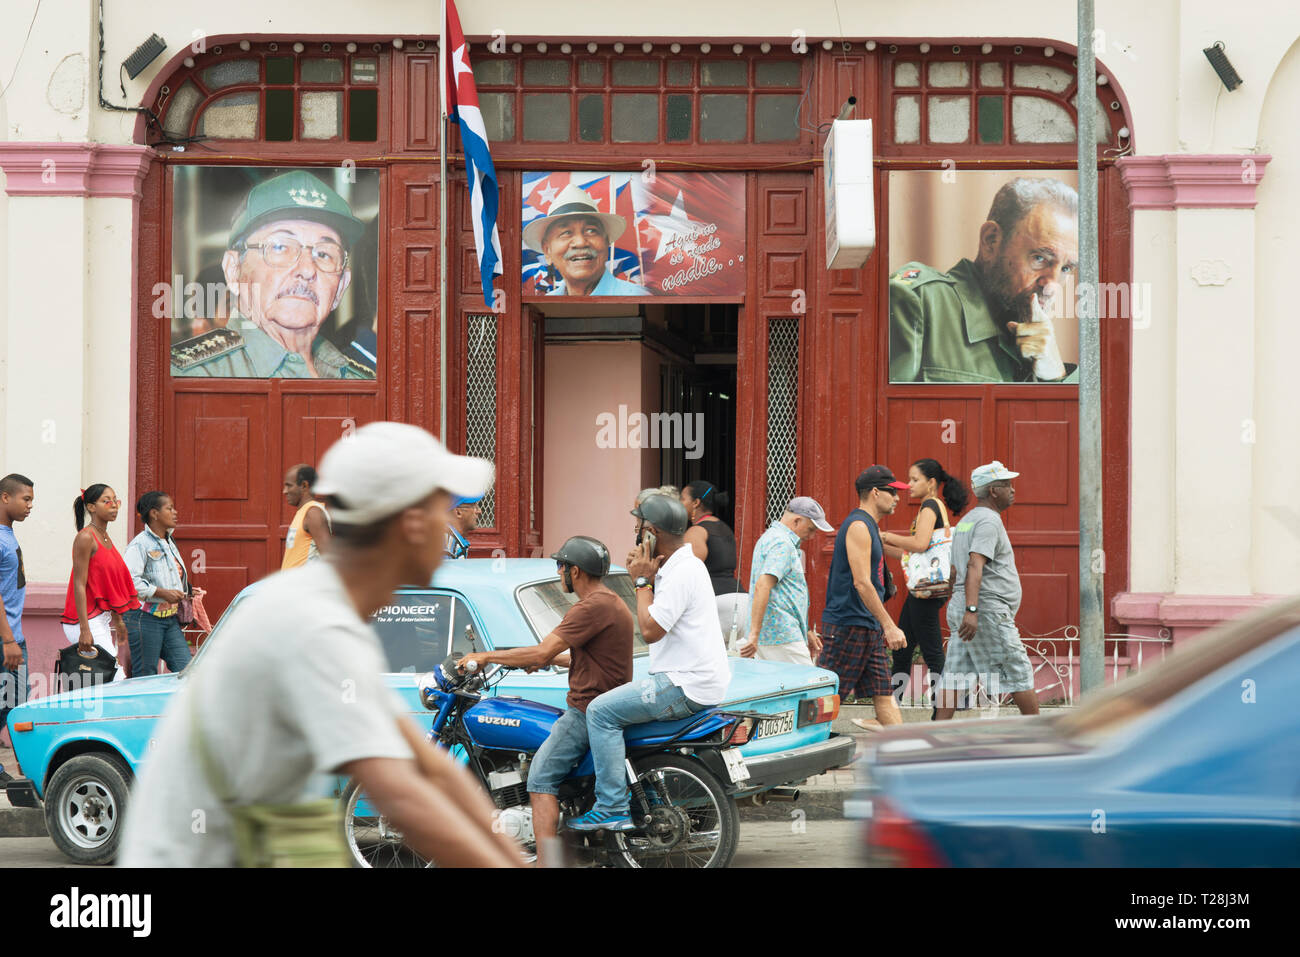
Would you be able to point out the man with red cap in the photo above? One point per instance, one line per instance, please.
(858, 633)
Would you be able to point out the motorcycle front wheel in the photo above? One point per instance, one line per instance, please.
(371, 840)
(694, 822)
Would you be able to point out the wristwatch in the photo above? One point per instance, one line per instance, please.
(642, 582)
(973, 609)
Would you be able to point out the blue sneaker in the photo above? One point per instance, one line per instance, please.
(602, 821)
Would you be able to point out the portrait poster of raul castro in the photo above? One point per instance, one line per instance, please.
(275, 273)
(982, 276)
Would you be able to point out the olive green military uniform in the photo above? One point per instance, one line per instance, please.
(243, 351)
(942, 330)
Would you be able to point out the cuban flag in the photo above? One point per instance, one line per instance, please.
(462, 109)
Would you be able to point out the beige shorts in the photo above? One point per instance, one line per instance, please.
(791, 652)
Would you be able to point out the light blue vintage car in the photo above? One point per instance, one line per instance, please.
(78, 751)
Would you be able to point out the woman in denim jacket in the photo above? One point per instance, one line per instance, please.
(153, 631)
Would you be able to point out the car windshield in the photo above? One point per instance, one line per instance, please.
(545, 603)
(1133, 697)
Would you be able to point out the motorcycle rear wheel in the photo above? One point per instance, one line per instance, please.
(699, 826)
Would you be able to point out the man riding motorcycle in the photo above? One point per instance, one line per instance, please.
(594, 641)
(688, 661)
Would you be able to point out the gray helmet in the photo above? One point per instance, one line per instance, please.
(665, 513)
(587, 553)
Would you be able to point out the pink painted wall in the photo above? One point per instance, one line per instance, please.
(590, 490)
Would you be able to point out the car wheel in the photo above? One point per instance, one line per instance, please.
(84, 807)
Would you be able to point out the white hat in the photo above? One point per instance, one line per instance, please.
(385, 467)
(572, 201)
(995, 471)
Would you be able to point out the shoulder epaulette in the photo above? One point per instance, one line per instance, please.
(210, 345)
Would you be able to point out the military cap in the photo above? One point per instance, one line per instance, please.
(295, 195)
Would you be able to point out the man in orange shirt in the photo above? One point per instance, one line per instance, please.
(309, 532)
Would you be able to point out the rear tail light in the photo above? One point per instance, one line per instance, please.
(740, 733)
(895, 840)
(819, 710)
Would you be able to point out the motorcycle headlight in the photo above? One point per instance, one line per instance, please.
(427, 683)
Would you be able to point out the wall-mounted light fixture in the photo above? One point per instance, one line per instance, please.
(1219, 60)
(144, 54)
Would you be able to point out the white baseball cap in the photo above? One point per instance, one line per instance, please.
(995, 471)
(384, 467)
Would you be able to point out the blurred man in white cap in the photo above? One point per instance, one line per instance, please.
(778, 615)
(574, 238)
(290, 691)
(984, 645)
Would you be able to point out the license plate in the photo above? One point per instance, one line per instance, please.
(782, 723)
(735, 762)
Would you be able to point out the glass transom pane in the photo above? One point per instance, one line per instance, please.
(181, 109)
(591, 118)
(233, 117)
(498, 115)
(1036, 120)
(678, 117)
(636, 117)
(774, 117)
(679, 72)
(1038, 77)
(949, 119)
(230, 73)
(907, 119)
(777, 73)
(907, 74)
(546, 117)
(322, 71)
(990, 74)
(494, 72)
(545, 73)
(365, 70)
(722, 73)
(591, 73)
(950, 73)
(636, 72)
(722, 117)
(322, 115)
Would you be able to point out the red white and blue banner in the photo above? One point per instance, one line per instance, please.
(463, 110)
(633, 234)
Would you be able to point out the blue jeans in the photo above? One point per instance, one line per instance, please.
(13, 688)
(559, 754)
(654, 698)
(150, 638)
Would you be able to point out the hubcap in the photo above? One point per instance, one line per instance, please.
(88, 813)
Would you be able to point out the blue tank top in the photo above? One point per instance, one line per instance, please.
(844, 605)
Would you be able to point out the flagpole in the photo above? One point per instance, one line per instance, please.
(442, 221)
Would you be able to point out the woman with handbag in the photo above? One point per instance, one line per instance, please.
(100, 587)
(154, 630)
(714, 543)
(928, 568)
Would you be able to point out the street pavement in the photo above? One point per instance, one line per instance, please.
(795, 842)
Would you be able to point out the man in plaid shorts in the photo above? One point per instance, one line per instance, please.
(857, 632)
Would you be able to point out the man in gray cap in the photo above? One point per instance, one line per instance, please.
(984, 645)
(284, 296)
(778, 616)
(268, 722)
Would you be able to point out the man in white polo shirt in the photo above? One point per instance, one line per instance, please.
(688, 661)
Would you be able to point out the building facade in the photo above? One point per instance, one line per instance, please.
(777, 381)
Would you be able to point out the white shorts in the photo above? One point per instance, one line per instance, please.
(790, 652)
(101, 634)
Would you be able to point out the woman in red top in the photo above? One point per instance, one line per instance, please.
(100, 588)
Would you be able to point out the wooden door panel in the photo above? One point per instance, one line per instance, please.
(221, 459)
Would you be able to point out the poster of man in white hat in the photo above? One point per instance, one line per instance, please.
(625, 234)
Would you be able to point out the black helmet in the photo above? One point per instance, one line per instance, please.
(664, 512)
(586, 553)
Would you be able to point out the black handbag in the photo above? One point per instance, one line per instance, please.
(78, 671)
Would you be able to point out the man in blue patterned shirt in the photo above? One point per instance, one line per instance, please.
(778, 629)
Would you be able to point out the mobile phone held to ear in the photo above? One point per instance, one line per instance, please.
(647, 536)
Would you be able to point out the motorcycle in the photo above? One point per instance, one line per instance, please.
(682, 777)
